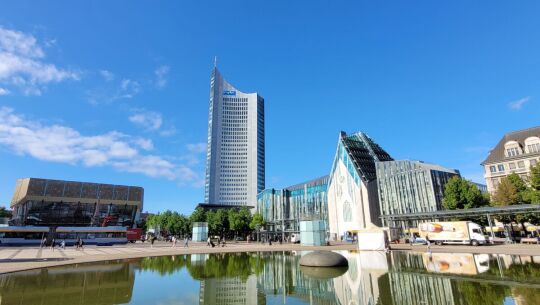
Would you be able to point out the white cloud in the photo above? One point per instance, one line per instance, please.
(57, 143)
(169, 131)
(518, 104)
(107, 75)
(149, 120)
(22, 63)
(128, 89)
(197, 147)
(4, 91)
(145, 144)
(194, 152)
(161, 76)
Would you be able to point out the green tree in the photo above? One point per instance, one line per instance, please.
(534, 177)
(257, 221)
(218, 222)
(199, 215)
(506, 193)
(239, 220)
(462, 194)
(4, 212)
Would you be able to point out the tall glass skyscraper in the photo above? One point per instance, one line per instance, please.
(235, 152)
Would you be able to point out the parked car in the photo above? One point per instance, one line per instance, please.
(418, 241)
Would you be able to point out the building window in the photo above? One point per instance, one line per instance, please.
(511, 152)
(347, 212)
(501, 167)
(512, 165)
(533, 148)
(521, 164)
(493, 169)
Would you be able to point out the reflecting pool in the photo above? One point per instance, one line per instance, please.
(275, 278)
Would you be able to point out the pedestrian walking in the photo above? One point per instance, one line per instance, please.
(81, 243)
(152, 239)
(186, 242)
(63, 244)
(208, 242)
(43, 240)
(52, 244)
(174, 241)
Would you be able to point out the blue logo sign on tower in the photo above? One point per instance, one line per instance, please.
(229, 93)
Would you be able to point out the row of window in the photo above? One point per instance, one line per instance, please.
(511, 166)
(516, 150)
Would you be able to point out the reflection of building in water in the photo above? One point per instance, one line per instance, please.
(456, 263)
(97, 284)
(363, 284)
(281, 275)
(410, 285)
(229, 291)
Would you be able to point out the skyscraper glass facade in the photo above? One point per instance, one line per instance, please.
(235, 160)
(411, 186)
(282, 209)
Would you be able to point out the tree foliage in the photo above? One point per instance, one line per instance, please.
(257, 221)
(239, 220)
(535, 177)
(507, 192)
(199, 215)
(4, 212)
(170, 222)
(462, 194)
(218, 222)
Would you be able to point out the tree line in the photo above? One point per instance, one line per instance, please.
(226, 223)
(512, 189)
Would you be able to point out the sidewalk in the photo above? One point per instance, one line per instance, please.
(510, 249)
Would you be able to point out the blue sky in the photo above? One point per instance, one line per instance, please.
(118, 92)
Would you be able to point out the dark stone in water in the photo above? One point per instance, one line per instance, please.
(323, 259)
(323, 273)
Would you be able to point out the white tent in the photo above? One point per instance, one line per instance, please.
(372, 239)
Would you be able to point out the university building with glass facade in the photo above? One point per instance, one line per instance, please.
(353, 200)
(411, 186)
(52, 203)
(283, 209)
(235, 160)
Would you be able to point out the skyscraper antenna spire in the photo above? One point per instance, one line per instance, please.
(215, 61)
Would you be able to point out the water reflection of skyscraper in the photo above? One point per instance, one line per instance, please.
(97, 284)
(229, 291)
